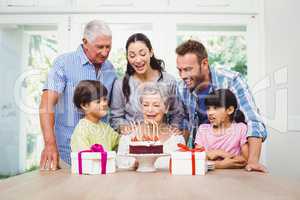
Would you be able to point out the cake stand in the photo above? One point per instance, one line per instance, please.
(146, 161)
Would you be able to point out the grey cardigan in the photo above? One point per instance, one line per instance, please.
(123, 112)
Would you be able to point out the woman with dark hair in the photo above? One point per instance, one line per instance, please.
(142, 67)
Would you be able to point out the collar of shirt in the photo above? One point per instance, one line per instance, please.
(83, 58)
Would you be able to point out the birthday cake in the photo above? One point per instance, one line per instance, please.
(146, 140)
(145, 147)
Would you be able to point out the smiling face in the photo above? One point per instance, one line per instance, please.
(153, 107)
(219, 116)
(138, 56)
(190, 71)
(97, 50)
(96, 109)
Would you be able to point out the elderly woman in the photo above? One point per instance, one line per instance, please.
(154, 103)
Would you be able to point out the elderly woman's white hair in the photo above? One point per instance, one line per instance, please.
(156, 88)
(96, 28)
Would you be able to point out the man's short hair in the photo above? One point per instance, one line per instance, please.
(192, 46)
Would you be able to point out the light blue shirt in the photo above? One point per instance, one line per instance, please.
(67, 71)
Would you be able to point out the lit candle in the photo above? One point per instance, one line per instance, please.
(137, 127)
(131, 130)
(157, 130)
(149, 130)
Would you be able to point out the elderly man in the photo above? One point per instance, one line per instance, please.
(198, 79)
(58, 116)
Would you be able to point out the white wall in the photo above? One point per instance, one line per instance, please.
(10, 65)
(282, 42)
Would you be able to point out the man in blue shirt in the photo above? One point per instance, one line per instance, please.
(58, 115)
(198, 79)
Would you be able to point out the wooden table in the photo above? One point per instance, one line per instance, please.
(218, 184)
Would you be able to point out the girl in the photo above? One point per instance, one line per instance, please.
(225, 138)
(142, 67)
(90, 98)
(154, 102)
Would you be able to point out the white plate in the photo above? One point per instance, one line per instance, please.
(146, 161)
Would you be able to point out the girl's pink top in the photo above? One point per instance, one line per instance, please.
(231, 140)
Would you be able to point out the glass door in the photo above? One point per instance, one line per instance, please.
(28, 47)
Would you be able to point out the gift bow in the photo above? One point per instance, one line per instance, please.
(184, 148)
(94, 148)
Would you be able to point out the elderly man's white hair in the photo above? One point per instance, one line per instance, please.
(96, 28)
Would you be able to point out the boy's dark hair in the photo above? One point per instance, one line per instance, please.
(225, 98)
(87, 91)
(192, 46)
